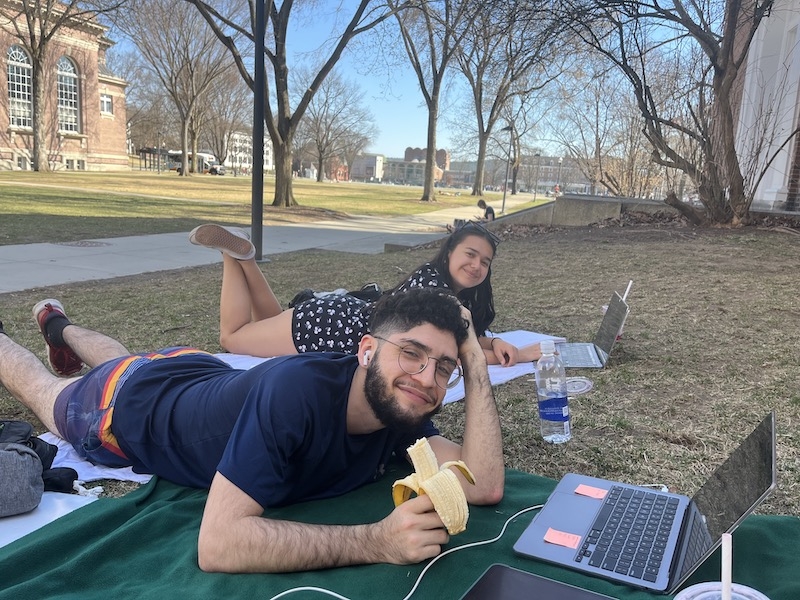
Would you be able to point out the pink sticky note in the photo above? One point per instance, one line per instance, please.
(592, 492)
(569, 540)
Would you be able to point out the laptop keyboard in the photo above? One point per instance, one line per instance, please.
(630, 533)
(578, 355)
(699, 541)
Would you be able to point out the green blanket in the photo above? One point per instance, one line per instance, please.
(144, 546)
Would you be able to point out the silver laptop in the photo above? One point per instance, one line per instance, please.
(595, 354)
(669, 535)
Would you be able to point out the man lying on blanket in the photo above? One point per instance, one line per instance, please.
(291, 429)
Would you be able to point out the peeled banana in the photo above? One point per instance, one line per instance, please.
(440, 483)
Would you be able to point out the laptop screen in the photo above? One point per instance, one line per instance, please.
(739, 484)
(611, 325)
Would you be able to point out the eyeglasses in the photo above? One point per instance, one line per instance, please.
(413, 361)
(481, 230)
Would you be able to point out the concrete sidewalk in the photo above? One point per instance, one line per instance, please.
(30, 266)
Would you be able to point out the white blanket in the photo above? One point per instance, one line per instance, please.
(67, 457)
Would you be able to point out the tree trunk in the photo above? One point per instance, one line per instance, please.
(41, 160)
(694, 216)
(321, 169)
(184, 148)
(723, 138)
(284, 196)
(480, 176)
(197, 165)
(514, 175)
(429, 190)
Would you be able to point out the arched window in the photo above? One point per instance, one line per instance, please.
(68, 105)
(20, 106)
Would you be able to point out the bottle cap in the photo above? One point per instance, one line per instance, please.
(547, 346)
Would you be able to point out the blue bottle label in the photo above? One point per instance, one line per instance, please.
(554, 409)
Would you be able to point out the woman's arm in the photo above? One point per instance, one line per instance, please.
(500, 352)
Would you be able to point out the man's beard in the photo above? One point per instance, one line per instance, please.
(385, 405)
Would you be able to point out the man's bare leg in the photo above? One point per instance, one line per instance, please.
(29, 381)
(92, 347)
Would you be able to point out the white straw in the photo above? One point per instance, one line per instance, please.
(727, 560)
(628, 289)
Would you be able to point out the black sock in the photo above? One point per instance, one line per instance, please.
(54, 329)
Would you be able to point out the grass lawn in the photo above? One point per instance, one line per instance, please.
(61, 207)
(709, 348)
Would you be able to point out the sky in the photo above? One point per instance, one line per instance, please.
(398, 107)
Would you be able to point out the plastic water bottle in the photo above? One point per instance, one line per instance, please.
(551, 391)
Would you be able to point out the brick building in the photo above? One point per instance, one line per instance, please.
(84, 109)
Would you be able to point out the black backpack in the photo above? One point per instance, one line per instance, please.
(26, 469)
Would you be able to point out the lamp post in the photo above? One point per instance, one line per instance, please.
(536, 184)
(558, 178)
(158, 151)
(510, 130)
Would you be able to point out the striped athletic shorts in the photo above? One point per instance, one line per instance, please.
(84, 409)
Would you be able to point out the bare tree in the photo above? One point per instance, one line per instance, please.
(689, 120)
(152, 120)
(526, 113)
(432, 31)
(354, 145)
(230, 104)
(335, 116)
(599, 124)
(505, 53)
(181, 52)
(36, 23)
(282, 120)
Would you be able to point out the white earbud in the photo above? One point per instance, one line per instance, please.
(366, 357)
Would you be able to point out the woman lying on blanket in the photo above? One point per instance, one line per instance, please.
(253, 322)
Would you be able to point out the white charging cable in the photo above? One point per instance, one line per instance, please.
(425, 570)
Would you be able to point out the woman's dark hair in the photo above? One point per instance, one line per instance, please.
(479, 299)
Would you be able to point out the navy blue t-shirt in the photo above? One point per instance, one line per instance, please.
(277, 431)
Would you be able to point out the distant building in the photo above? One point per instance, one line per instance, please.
(368, 167)
(442, 157)
(459, 178)
(240, 153)
(304, 168)
(411, 170)
(336, 170)
(84, 118)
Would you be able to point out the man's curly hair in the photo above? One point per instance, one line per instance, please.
(405, 310)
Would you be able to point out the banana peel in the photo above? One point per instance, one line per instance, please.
(438, 482)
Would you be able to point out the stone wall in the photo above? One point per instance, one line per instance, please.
(580, 210)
